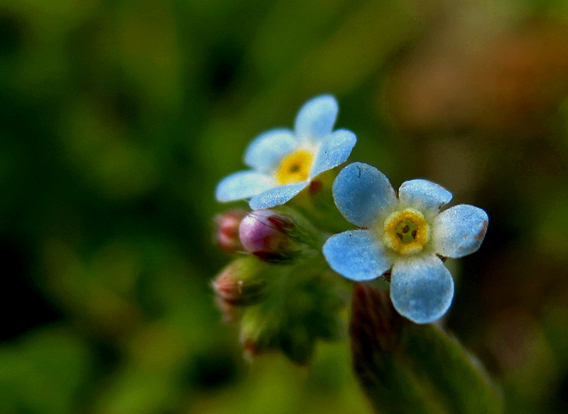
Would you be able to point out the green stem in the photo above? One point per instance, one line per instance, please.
(408, 368)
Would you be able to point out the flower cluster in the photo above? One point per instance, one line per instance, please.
(403, 237)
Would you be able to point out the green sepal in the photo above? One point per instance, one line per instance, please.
(300, 307)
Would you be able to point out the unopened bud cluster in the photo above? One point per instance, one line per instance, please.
(276, 286)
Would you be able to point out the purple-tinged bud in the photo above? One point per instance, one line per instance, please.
(275, 237)
(266, 234)
(227, 232)
(240, 283)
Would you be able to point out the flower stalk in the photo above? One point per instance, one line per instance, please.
(408, 368)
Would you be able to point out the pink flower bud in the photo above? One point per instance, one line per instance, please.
(239, 283)
(266, 234)
(227, 234)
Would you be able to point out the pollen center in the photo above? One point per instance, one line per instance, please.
(295, 167)
(406, 231)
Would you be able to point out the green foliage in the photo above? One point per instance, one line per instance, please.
(43, 372)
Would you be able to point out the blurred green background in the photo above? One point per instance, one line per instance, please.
(118, 118)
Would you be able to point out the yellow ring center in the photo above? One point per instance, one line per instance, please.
(295, 167)
(406, 231)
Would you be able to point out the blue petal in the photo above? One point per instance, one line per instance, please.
(356, 255)
(243, 184)
(459, 231)
(422, 288)
(316, 118)
(276, 196)
(424, 195)
(362, 193)
(334, 150)
(267, 150)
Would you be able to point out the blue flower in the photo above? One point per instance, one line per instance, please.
(406, 235)
(284, 162)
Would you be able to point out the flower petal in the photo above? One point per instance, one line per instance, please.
(459, 231)
(316, 118)
(422, 288)
(356, 255)
(334, 150)
(242, 184)
(276, 196)
(267, 150)
(361, 193)
(424, 195)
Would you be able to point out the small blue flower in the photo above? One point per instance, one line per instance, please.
(406, 235)
(285, 162)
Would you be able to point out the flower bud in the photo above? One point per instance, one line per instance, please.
(274, 237)
(240, 283)
(227, 232)
(265, 234)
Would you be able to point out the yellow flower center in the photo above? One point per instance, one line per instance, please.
(406, 231)
(295, 167)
